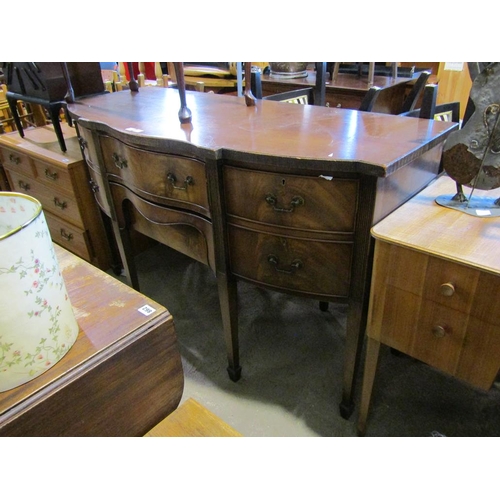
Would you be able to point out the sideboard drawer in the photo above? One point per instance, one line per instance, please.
(16, 161)
(162, 178)
(306, 266)
(88, 145)
(295, 201)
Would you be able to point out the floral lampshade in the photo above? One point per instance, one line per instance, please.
(37, 323)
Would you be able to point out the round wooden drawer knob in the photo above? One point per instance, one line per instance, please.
(438, 331)
(447, 289)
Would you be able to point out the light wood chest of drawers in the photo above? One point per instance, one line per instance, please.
(35, 165)
(435, 290)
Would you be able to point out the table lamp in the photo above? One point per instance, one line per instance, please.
(37, 322)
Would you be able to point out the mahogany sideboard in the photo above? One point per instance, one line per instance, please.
(279, 195)
(122, 376)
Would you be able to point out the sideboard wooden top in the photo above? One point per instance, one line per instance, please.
(224, 127)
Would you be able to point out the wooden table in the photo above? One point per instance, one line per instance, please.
(436, 289)
(121, 377)
(347, 91)
(282, 196)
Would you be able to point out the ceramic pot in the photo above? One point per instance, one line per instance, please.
(288, 69)
(37, 323)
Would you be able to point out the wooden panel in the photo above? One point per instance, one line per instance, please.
(188, 233)
(292, 200)
(161, 177)
(454, 85)
(191, 419)
(324, 267)
(16, 161)
(68, 236)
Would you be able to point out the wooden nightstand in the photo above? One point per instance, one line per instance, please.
(435, 290)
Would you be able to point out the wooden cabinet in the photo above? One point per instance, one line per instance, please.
(36, 166)
(279, 195)
(435, 290)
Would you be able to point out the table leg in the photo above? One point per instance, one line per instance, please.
(228, 296)
(372, 354)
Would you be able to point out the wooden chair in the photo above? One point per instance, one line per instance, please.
(386, 99)
(305, 95)
(429, 110)
(416, 92)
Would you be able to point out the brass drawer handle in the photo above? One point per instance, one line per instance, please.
(24, 186)
(94, 186)
(294, 266)
(447, 289)
(438, 331)
(61, 204)
(119, 162)
(297, 201)
(83, 143)
(66, 236)
(189, 181)
(14, 159)
(50, 175)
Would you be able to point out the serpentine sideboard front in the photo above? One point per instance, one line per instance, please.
(279, 195)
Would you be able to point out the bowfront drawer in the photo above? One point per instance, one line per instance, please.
(98, 187)
(16, 161)
(53, 176)
(162, 178)
(187, 233)
(68, 236)
(303, 202)
(88, 145)
(57, 202)
(311, 266)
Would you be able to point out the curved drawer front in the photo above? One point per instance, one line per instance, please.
(305, 202)
(88, 145)
(162, 178)
(57, 202)
(187, 233)
(16, 161)
(310, 266)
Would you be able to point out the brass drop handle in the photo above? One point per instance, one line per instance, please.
(24, 186)
(119, 161)
(94, 186)
(296, 201)
(50, 175)
(66, 236)
(438, 331)
(188, 181)
(447, 289)
(14, 159)
(294, 266)
(83, 143)
(61, 204)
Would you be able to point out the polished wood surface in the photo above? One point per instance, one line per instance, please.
(347, 91)
(35, 165)
(121, 377)
(191, 419)
(292, 191)
(222, 126)
(435, 290)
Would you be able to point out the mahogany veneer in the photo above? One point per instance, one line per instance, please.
(280, 195)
